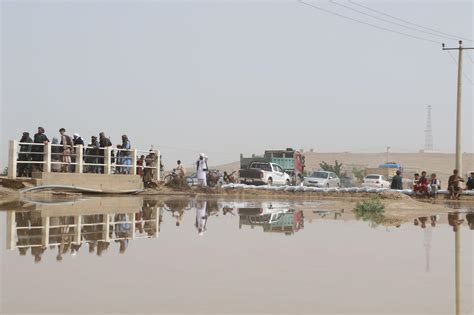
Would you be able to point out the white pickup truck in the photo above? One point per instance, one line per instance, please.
(264, 173)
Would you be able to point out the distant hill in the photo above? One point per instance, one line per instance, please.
(440, 163)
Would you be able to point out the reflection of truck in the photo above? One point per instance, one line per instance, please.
(280, 221)
(264, 173)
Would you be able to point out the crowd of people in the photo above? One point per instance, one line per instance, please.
(65, 151)
(424, 185)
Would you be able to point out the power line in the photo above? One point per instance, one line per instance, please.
(369, 24)
(391, 22)
(469, 56)
(456, 63)
(411, 23)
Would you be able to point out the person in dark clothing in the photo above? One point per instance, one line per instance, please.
(38, 150)
(397, 181)
(76, 140)
(104, 143)
(92, 156)
(24, 169)
(470, 182)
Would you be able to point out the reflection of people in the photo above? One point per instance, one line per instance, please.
(454, 219)
(470, 220)
(201, 218)
(123, 230)
(423, 221)
(434, 219)
(149, 215)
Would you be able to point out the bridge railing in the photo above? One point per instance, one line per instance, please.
(25, 158)
(78, 229)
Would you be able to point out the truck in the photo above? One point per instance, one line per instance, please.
(290, 160)
(264, 173)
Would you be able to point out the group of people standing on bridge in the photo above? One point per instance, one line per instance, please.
(65, 152)
(429, 186)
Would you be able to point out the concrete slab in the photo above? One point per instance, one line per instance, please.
(113, 182)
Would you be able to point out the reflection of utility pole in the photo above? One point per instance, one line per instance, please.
(388, 154)
(427, 244)
(458, 106)
(457, 259)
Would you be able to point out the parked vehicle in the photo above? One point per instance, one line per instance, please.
(322, 179)
(375, 181)
(264, 173)
(290, 160)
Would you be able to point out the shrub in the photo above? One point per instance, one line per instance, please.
(371, 210)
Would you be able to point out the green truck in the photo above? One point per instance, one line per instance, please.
(290, 160)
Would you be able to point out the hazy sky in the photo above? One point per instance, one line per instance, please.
(230, 77)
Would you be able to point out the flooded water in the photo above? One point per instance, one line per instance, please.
(129, 255)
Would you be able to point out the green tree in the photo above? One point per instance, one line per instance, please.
(336, 168)
(359, 174)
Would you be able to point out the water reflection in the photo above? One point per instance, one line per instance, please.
(67, 227)
(93, 223)
(109, 226)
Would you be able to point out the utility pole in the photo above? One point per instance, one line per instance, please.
(388, 154)
(460, 50)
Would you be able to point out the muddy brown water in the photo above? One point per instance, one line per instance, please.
(129, 255)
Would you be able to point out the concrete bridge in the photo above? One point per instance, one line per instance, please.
(104, 169)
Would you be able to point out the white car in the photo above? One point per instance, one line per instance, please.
(375, 181)
(263, 173)
(322, 179)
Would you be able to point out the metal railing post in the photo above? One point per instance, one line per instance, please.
(134, 223)
(12, 156)
(47, 158)
(134, 162)
(45, 232)
(108, 160)
(80, 158)
(77, 231)
(158, 163)
(11, 229)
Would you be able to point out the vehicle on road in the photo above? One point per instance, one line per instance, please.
(375, 181)
(264, 173)
(290, 160)
(322, 179)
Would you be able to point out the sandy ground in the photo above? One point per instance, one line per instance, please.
(398, 207)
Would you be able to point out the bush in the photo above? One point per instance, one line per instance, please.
(336, 168)
(359, 174)
(371, 210)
